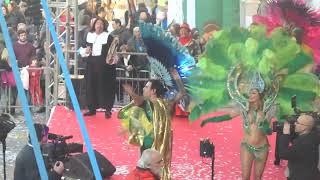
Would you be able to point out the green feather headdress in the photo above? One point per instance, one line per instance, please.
(233, 56)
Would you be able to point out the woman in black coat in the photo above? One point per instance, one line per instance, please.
(100, 76)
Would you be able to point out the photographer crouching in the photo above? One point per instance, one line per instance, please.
(303, 153)
(26, 167)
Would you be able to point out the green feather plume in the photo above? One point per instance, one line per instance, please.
(274, 56)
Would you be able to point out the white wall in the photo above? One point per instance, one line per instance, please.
(191, 15)
(314, 3)
(248, 8)
(175, 12)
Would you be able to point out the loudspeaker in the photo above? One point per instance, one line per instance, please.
(79, 86)
(79, 167)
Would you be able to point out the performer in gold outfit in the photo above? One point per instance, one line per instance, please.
(148, 119)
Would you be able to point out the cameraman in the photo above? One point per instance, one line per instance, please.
(26, 167)
(303, 154)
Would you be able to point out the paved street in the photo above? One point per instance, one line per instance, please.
(16, 139)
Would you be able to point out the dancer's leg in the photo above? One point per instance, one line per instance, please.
(246, 161)
(259, 164)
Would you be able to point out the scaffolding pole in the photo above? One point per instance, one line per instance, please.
(67, 31)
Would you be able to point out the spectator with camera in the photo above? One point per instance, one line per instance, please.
(149, 166)
(26, 167)
(303, 154)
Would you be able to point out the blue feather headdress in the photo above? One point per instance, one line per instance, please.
(162, 46)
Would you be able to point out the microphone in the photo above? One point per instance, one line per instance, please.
(52, 136)
(66, 137)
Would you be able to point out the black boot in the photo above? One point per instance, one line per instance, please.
(107, 114)
(90, 113)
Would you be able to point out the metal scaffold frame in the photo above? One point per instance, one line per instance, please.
(56, 92)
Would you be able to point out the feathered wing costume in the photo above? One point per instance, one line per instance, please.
(150, 125)
(165, 48)
(294, 15)
(232, 60)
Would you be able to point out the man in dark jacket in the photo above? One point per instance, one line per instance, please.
(120, 31)
(303, 154)
(26, 167)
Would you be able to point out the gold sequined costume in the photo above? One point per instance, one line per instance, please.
(152, 121)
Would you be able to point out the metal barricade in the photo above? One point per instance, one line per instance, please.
(137, 79)
(9, 94)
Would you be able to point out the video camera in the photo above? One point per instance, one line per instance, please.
(291, 119)
(58, 150)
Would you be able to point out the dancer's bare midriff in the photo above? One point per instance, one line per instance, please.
(255, 137)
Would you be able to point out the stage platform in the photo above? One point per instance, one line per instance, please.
(186, 162)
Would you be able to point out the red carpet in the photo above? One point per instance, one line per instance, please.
(186, 163)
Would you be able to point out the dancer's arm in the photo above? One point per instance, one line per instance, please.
(271, 114)
(181, 89)
(231, 111)
(137, 100)
(216, 119)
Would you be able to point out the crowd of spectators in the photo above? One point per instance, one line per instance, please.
(24, 21)
(28, 34)
(21, 20)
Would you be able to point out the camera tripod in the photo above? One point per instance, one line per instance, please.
(207, 150)
(6, 125)
(3, 141)
(212, 166)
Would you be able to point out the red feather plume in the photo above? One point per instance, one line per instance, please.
(293, 15)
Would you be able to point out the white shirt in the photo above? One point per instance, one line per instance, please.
(97, 40)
